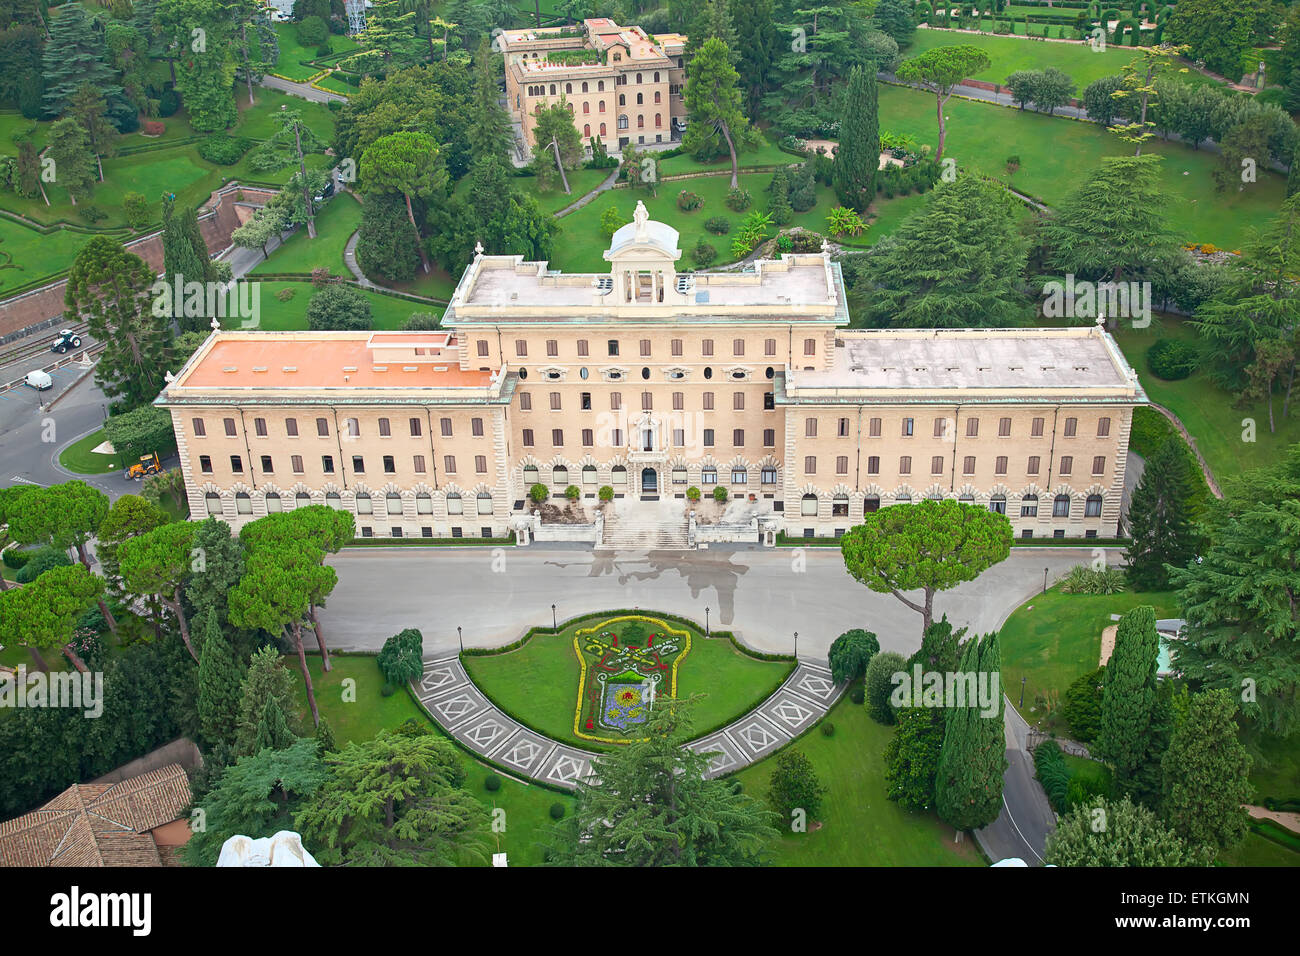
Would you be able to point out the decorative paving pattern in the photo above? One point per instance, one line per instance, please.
(463, 711)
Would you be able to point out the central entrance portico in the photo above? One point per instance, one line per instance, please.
(649, 481)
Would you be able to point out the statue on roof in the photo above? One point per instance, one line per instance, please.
(640, 217)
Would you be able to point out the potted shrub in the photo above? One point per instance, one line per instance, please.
(693, 493)
(573, 492)
(606, 493)
(720, 494)
(538, 493)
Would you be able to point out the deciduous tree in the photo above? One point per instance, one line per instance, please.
(940, 70)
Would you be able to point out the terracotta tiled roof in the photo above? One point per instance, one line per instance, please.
(98, 824)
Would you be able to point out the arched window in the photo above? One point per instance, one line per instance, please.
(584, 86)
(552, 89)
(638, 78)
(679, 475)
(1061, 506)
(808, 505)
(600, 88)
(364, 507)
(334, 500)
(903, 499)
(739, 476)
(872, 503)
(768, 476)
(618, 476)
(393, 503)
(658, 120)
(640, 99)
(600, 106)
(998, 504)
(840, 506)
(656, 78)
(622, 122)
(484, 503)
(586, 107)
(622, 99)
(273, 503)
(213, 501)
(589, 474)
(568, 88)
(559, 475)
(301, 499)
(1092, 507)
(586, 129)
(424, 504)
(602, 129)
(640, 122)
(1029, 506)
(656, 96)
(454, 505)
(967, 499)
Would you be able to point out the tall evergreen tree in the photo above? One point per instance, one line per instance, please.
(182, 260)
(1160, 518)
(858, 155)
(1206, 772)
(968, 781)
(1128, 696)
(75, 54)
(219, 680)
(88, 108)
(956, 263)
(712, 97)
(265, 679)
(653, 806)
(221, 569)
(1101, 832)
(201, 34)
(74, 164)
(757, 40)
(273, 730)
(490, 134)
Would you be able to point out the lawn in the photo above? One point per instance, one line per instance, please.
(1256, 850)
(860, 826)
(388, 312)
(767, 154)
(370, 712)
(338, 219)
(292, 63)
(1210, 414)
(1057, 153)
(79, 458)
(538, 683)
(1275, 771)
(581, 182)
(1055, 638)
(27, 255)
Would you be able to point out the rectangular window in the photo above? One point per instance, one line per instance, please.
(615, 401)
(1103, 427)
(940, 424)
(444, 424)
(291, 427)
(936, 465)
(708, 401)
(358, 465)
(1034, 464)
(612, 346)
(679, 401)
(968, 465)
(582, 348)
(769, 346)
(873, 465)
(552, 347)
(588, 438)
(809, 346)
(874, 430)
(843, 428)
(555, 401)
(905, 465)
(322, 427)
(769, 437)
(1067, 464)
(557, 437)
(738, 401)
(521, 348)
(737, 346)
(738, 438)
(706, 348)
(295, 462)
(525, 401)
(1000, 466)
(841, 464)
(645, 348)
(972, 427)
(230, 427)
(266, 465)
(198, 429)
(418, 463)
(528, 438)
(677, 346)
(480, 464)
(810, 465)
(1099, 465)
(385, 428)
(909, 426)
(326, 464)
(679, 437)
(482, 348)
(416, 430)
(205, 464)
(1061, 507)
(1071, 427)
(1029, 508)
(1004, 427)
(236, 464)
(647, 401)
(810, 428)
(1036, 430)
(617, 436)
(449, 464)
(585, 401)
(708, 438)
(390, 465)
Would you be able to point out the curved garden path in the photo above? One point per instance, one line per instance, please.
(478, 725)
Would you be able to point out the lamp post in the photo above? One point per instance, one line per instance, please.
(706, 622)
(796, 647)
(553, 617)
(461, 639)
(1022, 692)
(1044, 580)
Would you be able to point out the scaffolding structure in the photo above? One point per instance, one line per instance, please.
(356, 10)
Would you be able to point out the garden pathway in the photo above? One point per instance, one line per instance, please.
(464, 712)
(607, 184)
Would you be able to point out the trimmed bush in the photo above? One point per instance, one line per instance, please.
(168, 104)
(1172, 359)
(492, 783)
(606, 493)
(704, 253)
(828, 729)
(692, 493)
(688, 201)
(15, 558)
(850, 654)
(388, 690)
(1082, 707)
(41, 561)
(858, 695)
(879, 686)
(718, 225)
(738, 200)
(557, 811)
(402, 658)
(538, 493)
(223, 150)
(719, 494)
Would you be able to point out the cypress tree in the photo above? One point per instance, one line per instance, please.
(968, 784)
(180, 257)
(1160, 518)
(265, 679)
(1205, 774)
(273, 730)
(490, 135)
(325, 738)
(218, 700)
(778, 206)
(1128, 695)
(858, 156)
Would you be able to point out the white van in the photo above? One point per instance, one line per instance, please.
(39, 380)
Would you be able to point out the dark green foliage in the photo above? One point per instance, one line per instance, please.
(325, 738)
(557, 811)
(857, 158)
(940, 648)
(1172, 359)
(273, 730)
(1053, 774)
(401, 659)
(221, 568)
(219, 679)
(794, 786)
(1161, 517)
(223, 150)
(1102, 832)
(912, 758)
(778, 206)
(1206, 773)
(850, 654)
(1128, 703)
(968, 783)
(803, 188)
(718, 225)
(338, 307)
(387, 245)
(879, 685)
(491, 783)
(311, 31)
(1082, 706)
(41, 561)
(141, 431)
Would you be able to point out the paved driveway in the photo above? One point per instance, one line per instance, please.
(764, 596)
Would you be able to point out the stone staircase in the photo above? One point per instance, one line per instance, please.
(643, 533)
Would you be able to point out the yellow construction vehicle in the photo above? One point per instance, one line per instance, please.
(148, 465)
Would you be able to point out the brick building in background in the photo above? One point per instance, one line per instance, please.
(652, 382)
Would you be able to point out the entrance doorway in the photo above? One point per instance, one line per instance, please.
(649, 481)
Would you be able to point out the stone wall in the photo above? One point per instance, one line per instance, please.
(218, 218)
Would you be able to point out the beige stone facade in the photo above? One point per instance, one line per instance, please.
(653, 383)
(622, 85)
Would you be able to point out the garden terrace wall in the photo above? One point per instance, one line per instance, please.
(35, 308)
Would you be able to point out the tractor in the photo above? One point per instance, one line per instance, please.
(66, 339)
(148, 465)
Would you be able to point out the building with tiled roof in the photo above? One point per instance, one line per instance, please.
(139, 821)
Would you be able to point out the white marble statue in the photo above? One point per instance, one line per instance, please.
(283, 849)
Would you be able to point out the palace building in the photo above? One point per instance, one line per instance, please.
(653, 381)
(621, 84)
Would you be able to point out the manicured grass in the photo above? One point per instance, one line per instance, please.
(860, 825)
(294, 56)
(28, 256)
(78, 456)
(1210, 414)
(1086, 769)
(1256, 850)
(1008, 54)
(1054, 638)
(527, 807)
(437, 284)
(388, 312)
(338, 219)
(581, 182)
(1275, 771)
(538, 683)
(767, 154)
(336, 84)
(1056, 154)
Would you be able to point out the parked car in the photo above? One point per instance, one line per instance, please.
(66, 339)
(325, 193)
(679, 124)
(38, 380)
